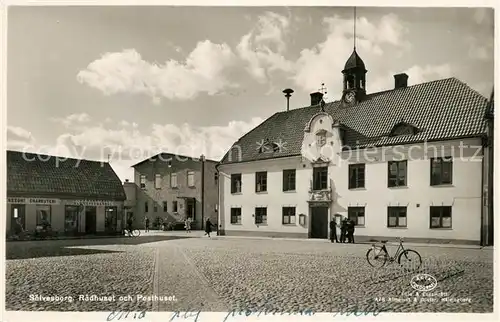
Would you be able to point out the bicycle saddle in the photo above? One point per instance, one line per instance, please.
(384, 241)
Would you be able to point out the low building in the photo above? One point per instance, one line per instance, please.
(405, 162)
(171, 188)
(76, 197)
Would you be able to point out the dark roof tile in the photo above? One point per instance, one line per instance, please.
(30, 174)
(441, 110)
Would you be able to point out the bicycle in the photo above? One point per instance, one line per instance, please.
(380, 255)
(133, 233)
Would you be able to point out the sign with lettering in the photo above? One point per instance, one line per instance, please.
(91, 202)
(34, 201)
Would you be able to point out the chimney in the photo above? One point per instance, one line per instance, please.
(316, 98)
(400, 81)
(288, 93)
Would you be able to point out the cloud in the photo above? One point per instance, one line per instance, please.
(73, 119)
(203, 71)
(263, 48)
(480, 48)
(484, 16)
(125, 145)
(323, 62)
(18, 138)
(417, 74)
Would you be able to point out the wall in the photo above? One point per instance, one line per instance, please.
(154, 196)
(211, 194)
(58, 214)
(464, 195)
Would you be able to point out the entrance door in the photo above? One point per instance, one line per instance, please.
(90, 219)
(190, 211)
(17, 212)
(319, 222)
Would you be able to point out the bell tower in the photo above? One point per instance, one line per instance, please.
(354, 73)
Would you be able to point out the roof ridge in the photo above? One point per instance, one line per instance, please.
(55, 156)
(384, 91)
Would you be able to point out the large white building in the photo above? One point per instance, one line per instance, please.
(408, 162)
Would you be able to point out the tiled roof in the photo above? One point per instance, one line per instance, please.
(167, 156)
(68, 178)
(440, 110)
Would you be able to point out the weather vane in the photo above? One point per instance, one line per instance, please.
(323, 89)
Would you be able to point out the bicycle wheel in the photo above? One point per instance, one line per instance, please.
(410, 260)
(136, 233)
(376, 256)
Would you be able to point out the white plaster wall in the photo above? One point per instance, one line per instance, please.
(463, 195)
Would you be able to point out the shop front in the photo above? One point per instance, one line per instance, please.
(66, 216)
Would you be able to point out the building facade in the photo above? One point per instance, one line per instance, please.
(406, 162)
(75, 197)
(172, 188)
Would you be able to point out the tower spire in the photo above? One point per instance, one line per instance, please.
(354, 28)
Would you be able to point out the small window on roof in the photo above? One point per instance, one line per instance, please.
(403, 129)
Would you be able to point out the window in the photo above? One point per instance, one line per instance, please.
(320, 178)
(146, 206)
(157, 181)
(441, 171)
(440, 217)
(289, 180)
(143, 181)
(261, 215)
(173, 180)
(356, 176)
(190, 178)
(396, 217)
(165, 206)
(155, 207)
(110, 217)
(236, 183)
(235, 215)
(71, 218)
(260, 181)
(43, 214)
(356, 214)
(288, 215)
(174, 206)
(397, 172)
(321, 138)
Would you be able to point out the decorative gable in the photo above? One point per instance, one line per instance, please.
(321, 139)
(403, 128)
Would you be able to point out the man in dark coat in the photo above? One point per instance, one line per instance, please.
(343, 230)
(208, 227)
(350, 231)
(333, 231)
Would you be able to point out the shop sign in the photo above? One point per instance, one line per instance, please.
(91, 202)
(34, 201)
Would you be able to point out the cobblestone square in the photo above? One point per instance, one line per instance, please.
(168, 273)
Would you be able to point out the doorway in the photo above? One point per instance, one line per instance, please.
(17, 212)
(319, 222)
(90, 219)
(191, 209)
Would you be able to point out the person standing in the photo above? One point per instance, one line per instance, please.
(208, 227)
(187, 224)
(146, 223)
(350, 231)
(333, 231)
(343, 231)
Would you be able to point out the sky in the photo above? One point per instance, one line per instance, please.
(125, 83)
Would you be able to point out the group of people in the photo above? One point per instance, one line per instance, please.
(187, 225)
(346, 231)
